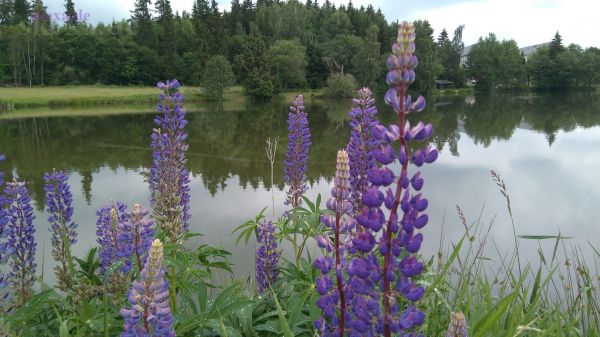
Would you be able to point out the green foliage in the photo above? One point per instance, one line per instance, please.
(367, 63)
(217, 77)
(255, 74)
(494, 64)
(449, 53)
(287, 62)
(558, 67)
(340, 85)
(429, 67)
(70, 13)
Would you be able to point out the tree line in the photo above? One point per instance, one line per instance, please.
(266, 46)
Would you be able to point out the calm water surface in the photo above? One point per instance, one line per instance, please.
(545, 147)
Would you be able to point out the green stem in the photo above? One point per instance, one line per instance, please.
(173, 290)
(105, 307)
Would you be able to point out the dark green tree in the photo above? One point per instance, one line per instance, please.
(484, 62)
(450, 52)
(254, 70)
(166, 36)
(20, 11)
(6, 13)
(556, 46)
(429, 65)
(217, 77)
(367, 63)
(142, 23)
(70, 13)
(287, 62)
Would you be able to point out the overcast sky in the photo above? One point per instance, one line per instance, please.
(526, 21)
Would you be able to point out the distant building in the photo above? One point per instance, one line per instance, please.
(443, 84)
(526, 51)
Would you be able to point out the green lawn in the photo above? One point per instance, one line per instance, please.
(81, 95)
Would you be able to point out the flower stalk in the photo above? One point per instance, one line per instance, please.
(59, 203)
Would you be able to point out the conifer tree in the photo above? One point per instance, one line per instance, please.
(21, 11)
(142, 20)
(70, 13)
(167, 36)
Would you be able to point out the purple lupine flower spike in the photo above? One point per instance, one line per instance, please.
(169, 177)
(107, 235)
(361, 146)
(296, 157)
(135, 234)
(59, 202)
(150, 313)
(380, 261)
(267, 255)
(5, 249)
(21, 241)
(331, 286)
(400, 240)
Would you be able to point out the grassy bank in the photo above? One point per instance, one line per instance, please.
(77, 96)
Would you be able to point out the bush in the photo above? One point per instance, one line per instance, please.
(340, 85)
(217, 77)
(258, 85)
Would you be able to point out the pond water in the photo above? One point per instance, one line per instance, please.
(545, 147)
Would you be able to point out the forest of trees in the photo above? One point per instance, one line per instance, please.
(269, 45)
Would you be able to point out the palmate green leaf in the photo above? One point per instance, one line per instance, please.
(283, 324)
(248, 228)
(295, 307)
(202, 295)
(63, 331)
(37, 305)
(223, 330)
(244, 316)
(269, 326)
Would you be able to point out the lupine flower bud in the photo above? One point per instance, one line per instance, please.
(21, 241)
(169, 177)
(297, 153)
(150, 313)
(267, 256)
(59, 202)
(457, 326)
(135, 235)
(107, 235)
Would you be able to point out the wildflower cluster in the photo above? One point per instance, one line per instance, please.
(123, 235)
(297, 153)
(59, 202)
(380, 255)
(150, 314)
(21, 241)
(169, 177)
(267, 255)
